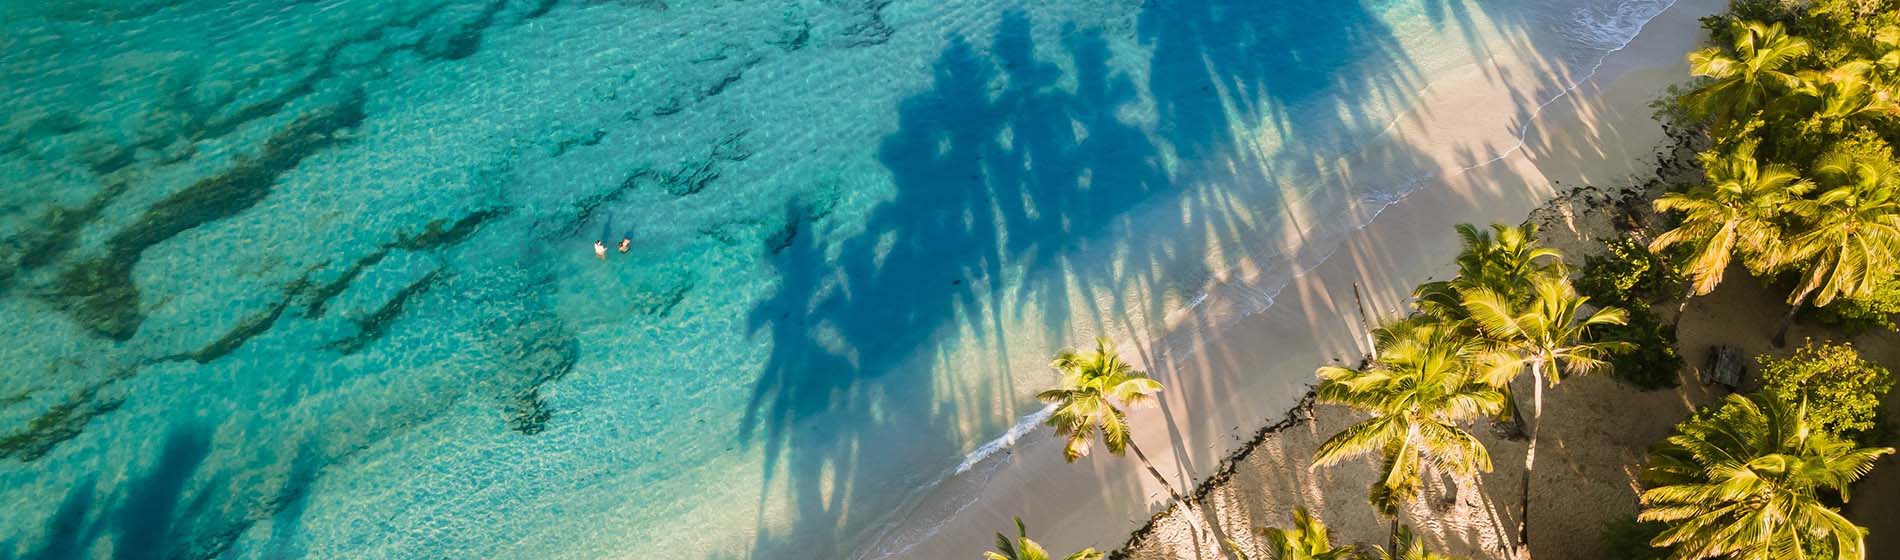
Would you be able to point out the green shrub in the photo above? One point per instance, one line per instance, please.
(1651, 363)
(1842, 390)
(1625, 538)
(1852, 316)
(1627, 275)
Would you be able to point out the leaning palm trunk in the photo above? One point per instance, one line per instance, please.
(1152, 471)
(1194, 517)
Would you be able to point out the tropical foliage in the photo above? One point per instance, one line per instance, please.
(1089, 398)
(1629, 276)
(1418, 391)
(1307, 540)
(1024, 549)
(1551, 335)
(1749, 481)
(1842, 390)
(1757, 67)
(1407, 546)
(1738, 212)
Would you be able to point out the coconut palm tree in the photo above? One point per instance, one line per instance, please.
(1307, 540)
(1418, 392)
(1757, 67)
(1093, 390)
(1550, 335)
(1886, 61)
(1504, 259)
(1025, 549)
(1851, 236)
(1745, 483)
(1736, 212)
(1849, 91)
(1409, 547)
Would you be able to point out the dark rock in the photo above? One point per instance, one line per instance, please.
(435, 235)
(320, 294)
(60, 423)
(38, 247)
(100, 294)
(244, 331)
(373, 327)
(871, 31)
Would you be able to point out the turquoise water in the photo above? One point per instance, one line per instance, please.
(313, 278)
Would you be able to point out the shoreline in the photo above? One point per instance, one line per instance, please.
(1078, 500)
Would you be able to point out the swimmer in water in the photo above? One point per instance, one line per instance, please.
(600, 250)
(625, 242)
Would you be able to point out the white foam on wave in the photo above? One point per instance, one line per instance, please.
(1612, 26)
(1023, 426)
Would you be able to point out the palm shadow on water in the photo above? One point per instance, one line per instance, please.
(992, 182)
(173, 510)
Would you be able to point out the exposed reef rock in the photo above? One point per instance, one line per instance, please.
(100, 294)
(59, 226)
(372, 327)
(870, 30)
(61, 422)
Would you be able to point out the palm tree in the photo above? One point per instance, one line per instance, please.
(1025, 549)
(1409, 547)
(1848, 92)
(1504, 259)
(1744, 483)
(1746, 76)
(1886, 61)
(1551, 335)
(1852, 233)
(1737, 211)
(1307, 540)
(1419, 390)
(1093, 388)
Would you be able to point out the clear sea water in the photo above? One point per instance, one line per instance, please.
(313, 278)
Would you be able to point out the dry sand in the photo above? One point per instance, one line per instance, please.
(1251, 374)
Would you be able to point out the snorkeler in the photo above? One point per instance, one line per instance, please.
(600, 250)
(625, 242)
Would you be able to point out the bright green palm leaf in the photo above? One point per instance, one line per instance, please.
(1735, 213)
(1025, 549)
(1747, 75)
(1743, 482)
(1418, 391)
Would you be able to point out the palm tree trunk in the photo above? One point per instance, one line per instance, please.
(1781, 333)
(1143, 457)
(1530, 459)
(1393, 540)
(1193, 516)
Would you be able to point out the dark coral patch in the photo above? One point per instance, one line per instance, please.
(100, 294)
